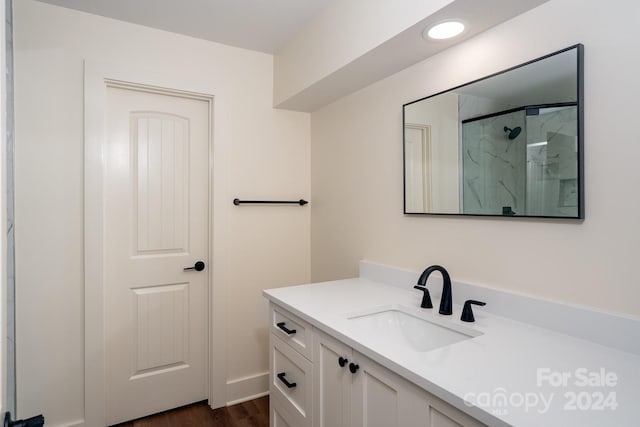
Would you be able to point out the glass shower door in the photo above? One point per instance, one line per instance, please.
(552, 173)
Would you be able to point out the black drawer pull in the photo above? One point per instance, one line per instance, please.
(353, 367)
(284, 380)
(285, 329)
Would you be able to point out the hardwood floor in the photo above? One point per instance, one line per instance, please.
(254, 413)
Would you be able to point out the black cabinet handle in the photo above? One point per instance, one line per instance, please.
(198, 266)
(285, 329)
(284, 380)
(342, 361)
(353, 367)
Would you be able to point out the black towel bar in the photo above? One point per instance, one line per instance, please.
(300, 202)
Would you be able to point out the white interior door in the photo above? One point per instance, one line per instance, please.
(155, 224)
(417, 163)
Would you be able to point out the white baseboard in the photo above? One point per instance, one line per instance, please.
(76, 423)
(246, 399)
(242, 389)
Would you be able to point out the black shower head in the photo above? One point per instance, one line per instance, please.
(513, 133)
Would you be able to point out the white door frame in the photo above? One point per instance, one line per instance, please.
(96, 79)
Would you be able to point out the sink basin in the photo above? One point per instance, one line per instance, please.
(400, 326)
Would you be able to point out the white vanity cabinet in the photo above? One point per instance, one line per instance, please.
(362, 393)
(336, 386)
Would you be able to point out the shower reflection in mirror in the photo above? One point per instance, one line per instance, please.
(496, 180)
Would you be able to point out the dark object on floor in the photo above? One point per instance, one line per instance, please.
(37, 421)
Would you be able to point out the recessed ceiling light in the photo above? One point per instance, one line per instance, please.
(444, 30)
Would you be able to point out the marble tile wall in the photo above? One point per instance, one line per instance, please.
(494, 170)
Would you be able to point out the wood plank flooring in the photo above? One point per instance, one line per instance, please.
(254, 413)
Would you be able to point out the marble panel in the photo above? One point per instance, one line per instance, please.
(494, 170)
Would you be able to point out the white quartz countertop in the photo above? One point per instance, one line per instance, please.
(512, 374)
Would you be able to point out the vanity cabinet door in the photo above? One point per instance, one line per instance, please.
(361, 393)
(441, 414)
(380, 398)
(332, 382)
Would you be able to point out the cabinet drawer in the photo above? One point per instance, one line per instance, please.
(291, 381)
(292, 330)
(280, 416)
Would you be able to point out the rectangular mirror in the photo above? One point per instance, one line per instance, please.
(510, 144)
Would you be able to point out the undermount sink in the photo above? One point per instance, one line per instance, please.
(401, 326)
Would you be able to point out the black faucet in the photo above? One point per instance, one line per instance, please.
(445, 300)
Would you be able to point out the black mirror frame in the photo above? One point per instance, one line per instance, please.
(580, 133)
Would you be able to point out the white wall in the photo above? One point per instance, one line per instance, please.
(357, 170)
(265, 154)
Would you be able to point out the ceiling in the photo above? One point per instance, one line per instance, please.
(261, 25)
(318, 27)
(550, 80)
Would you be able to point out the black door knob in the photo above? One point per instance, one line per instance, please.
(198, 266)
(353, 367)
(342, 361)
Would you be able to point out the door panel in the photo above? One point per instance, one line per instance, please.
(383, 399)
(160, 170)
(162, 327)
(156, 224)
(375, 400)
(332, 382)
(438, 419)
